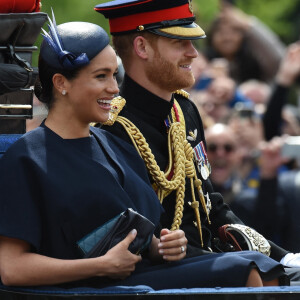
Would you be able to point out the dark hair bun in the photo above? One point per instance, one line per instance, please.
(38, 90)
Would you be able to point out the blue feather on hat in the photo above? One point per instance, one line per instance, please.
(67, 59)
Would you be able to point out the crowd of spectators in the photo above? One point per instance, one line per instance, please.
(245, 77)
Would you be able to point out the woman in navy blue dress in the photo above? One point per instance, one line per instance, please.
(64, 179)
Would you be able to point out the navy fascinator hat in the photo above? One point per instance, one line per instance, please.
(73, 44)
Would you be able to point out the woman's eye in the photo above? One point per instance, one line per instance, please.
(101, 76)
(115, 74)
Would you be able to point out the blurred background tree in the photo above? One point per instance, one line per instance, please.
(282, 16)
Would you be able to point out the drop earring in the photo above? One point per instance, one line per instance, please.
(64, 92)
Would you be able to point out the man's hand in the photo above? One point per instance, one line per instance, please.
(172, 245)
(289, 68)
(271, 159)
(235, 17)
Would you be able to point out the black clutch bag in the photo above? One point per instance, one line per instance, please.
(105, 237)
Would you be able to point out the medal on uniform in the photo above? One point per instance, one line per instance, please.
(207, 169)
(204, 171)
(198, 163)
(190, 6)
(201, 160)
(208, 166)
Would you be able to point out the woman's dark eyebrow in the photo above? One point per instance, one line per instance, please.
(102, 70)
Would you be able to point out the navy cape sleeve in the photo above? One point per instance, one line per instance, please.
(19, 212)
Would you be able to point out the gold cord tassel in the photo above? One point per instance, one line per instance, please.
(195, 206)
(177, 182)
(198, 185)
(180, 162)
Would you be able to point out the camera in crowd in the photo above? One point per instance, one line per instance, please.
(291, 147)
(244, 111)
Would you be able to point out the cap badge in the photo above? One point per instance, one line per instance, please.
(190, 6)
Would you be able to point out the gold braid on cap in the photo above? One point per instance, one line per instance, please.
(180, 162)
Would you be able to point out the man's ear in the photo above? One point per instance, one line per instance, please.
(60, 83)
(141, 47)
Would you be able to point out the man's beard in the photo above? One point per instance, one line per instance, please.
(167, 75)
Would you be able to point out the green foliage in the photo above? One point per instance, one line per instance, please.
(74, 10)
(280, 16)
(205, 12)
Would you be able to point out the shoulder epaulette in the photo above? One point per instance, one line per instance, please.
(182, 93)
(117, 105)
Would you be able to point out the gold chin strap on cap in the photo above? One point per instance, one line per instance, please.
(180, 163)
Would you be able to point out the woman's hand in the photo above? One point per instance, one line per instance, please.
(171, 246)
(119, 261)
(20, 267)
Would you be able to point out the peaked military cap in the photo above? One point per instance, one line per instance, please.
(169, 18)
